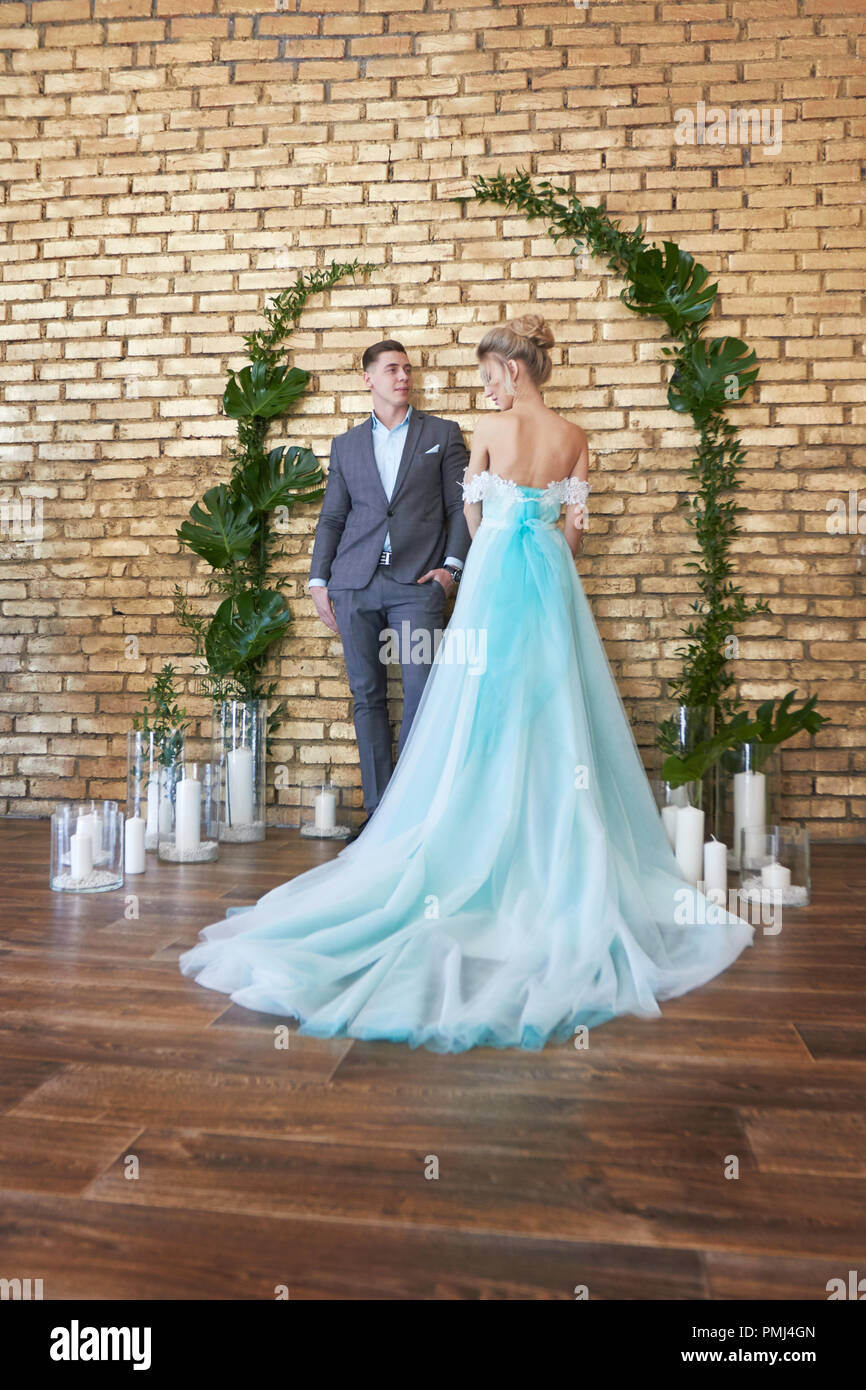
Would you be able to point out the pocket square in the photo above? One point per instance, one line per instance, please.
(433, 450)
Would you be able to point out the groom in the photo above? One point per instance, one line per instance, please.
(390, 544)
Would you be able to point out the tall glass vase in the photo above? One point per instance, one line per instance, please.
(693, 725)
(189, 787)
(748, 796)
(239, 753)
(146, 754)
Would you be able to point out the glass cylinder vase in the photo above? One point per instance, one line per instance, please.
(189, 832)
(86, 847)
(748, 795)
(774, 865)
(692, 725)
(146, 753)
(324, 801)
(239, 753)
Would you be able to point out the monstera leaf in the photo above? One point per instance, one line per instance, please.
(701, 379)
(222, 534)
(283, 477)
(673, 287)
(263, 391)
(243, 628)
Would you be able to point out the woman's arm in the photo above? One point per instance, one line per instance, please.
(575, 515)
(479, 462)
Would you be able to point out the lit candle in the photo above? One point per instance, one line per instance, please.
(134, 857)
(715, 865)
(326, 809)
(775, 876)
(690, 842)
(81, 853)
(669, 816)
(239, 786)
(187, 825)
(749, 808)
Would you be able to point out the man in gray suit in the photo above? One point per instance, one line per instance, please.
(389, 548)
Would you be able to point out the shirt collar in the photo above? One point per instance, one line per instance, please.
(377, 423)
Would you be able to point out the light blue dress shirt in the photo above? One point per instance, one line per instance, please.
(388, 448)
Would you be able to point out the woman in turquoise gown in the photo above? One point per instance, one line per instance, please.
(515, 881)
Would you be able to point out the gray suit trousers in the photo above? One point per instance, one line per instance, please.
(364, 618)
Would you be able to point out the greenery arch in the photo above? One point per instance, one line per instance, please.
(708, 376)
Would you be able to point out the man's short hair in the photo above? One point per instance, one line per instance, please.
(387, 345)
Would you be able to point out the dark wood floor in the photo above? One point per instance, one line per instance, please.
(154, 1144)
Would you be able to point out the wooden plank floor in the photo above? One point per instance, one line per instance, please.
(154, 1144)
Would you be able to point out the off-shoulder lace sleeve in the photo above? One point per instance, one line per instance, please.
(575, 492)
(473, 491)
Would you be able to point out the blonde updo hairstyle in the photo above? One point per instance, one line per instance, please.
(527, 339)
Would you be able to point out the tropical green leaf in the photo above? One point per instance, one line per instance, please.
(244, 627)
(704, 373)
(284, 476)
(263, 391)
(672, 286)
(222, 534)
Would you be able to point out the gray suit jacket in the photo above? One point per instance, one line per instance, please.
(424, 516)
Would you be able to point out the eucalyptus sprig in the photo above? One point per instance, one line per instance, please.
(162, 716)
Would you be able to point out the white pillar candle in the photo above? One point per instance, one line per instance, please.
(187, 825)
(326, 810)
(80, 854)
(690, 842)
(775, 876)
(715, 865)
(134, 857)
(749, 805)
(153, 806)
(239, 786)
(669, 817)
(88, 824)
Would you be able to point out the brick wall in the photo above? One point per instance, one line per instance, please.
(169, 163)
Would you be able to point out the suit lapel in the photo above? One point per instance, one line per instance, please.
(410, 448)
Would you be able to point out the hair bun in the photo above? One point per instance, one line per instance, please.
(535, 328)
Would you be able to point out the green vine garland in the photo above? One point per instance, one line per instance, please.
(707, 377)
(231, 528)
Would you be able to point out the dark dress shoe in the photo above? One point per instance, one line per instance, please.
(355, 833)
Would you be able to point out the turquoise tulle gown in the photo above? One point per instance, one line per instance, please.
(516, 879)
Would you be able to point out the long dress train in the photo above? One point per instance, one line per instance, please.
(516, 880)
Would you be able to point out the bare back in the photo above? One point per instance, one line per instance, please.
(533, 447)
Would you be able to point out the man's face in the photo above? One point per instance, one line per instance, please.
(390, 378)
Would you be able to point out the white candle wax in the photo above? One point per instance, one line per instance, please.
(326, 810)
(187, 825)
(669, 816)
(239, 786)
(775, 876)
(134, 857)
(165, 809)
(80, 854)
(690, 842)
(715, 866)
(749, 805)
(153, 806)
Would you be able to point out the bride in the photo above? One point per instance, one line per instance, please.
(515, 882)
